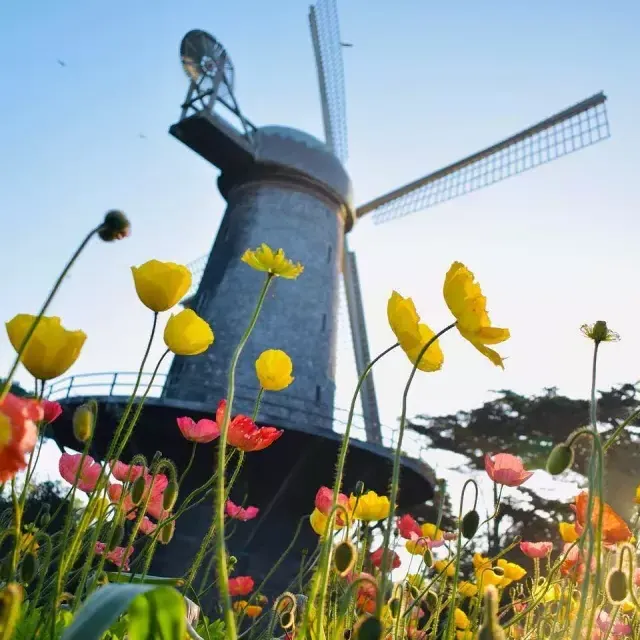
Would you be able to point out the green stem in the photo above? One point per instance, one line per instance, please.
(396, 469)
(220, 547)
(614, 436)
(7, 381)
(188, 467)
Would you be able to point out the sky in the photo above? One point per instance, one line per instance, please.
(427, 83)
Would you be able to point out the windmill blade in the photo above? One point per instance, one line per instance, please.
(327, 48)
(577, 127)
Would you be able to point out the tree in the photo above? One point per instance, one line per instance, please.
(529, 427)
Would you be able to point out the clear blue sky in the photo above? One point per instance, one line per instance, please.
(427, 83)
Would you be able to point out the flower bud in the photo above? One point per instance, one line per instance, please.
(470, 524)
(394, 605)
(431, 600)
(428, 558)
(287, 619)
(138, 489)
(491, 629)
(115, 226)
(10, 604)
(369, 628)
(599, 332)
(117, 535)
(167, 531)
(83, 419)
(617, 586)
(45, 519)
(359, 490)
(344, 557)
(560, 459)
(29, 568)
(170, 496)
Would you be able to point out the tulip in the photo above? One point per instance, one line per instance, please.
(161, 285)
(187, 334)
(51, 349)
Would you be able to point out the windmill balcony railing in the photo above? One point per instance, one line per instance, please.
(122, 383)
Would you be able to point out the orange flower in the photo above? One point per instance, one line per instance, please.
(251, 611)
(614, 528)
(18, 433)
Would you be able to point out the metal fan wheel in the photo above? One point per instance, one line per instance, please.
(202, 55)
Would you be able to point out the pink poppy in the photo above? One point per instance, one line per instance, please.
(536, 549)
(506, 469)
(19, 433)
(408, 526)
(324, 500)
(125, 472)
(116, 556)
(240, 513)
(636, 577)
(115, 491)
(69, 467)
(241, 585)
(52, 410)
(392, 556)
(202, 431)
(147, 526)
(244, 434)
(620, 627)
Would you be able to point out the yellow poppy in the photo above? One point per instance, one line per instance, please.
(461, 619)
(264, 258)
(467, 589)
(430, 530)
(416, 547)
(273, 369)
(479, 561)
(568, 532)
(464, 635)
(487, 576)
(413, 335)
(161, 285)
(441, 565)
(187, 334)
(51, 350)
(251, 611)
(464, 298)
(370, 506)
(318, 522)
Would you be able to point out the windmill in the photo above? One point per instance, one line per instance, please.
(574, 128)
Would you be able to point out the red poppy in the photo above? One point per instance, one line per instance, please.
(408, 526)
(376, 558)
(240, 585)
(52, 410)
(116, 556)
(614, 528)
(240, 513)
(324, 500)
(244, 434)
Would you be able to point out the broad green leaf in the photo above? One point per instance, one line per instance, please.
(104, 607)
(114, 577)
(158, 615)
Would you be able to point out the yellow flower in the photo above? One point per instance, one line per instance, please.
(467, 589)
(551, 594)
(464, 635)
(411, 334)
(318, 522)
(161, 285)
(637, 500)
(465, 301)
(415, 580)
(28, 543)
(627, 606)
(276, 263)
(370, 506)
(487, 576)
(441, 565)
(430, 530)
(187, 334)
(416, 547)
(273, 369)
(512, 572)
(568, 532)
(461, 620)
(251, 611)
(480, 562)
(51, 350)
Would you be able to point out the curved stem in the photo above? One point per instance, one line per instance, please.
(7, 381)
(189, 464)
(396, 469)
(220, 547)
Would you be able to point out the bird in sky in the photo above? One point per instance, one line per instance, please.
(346, 44)
(62, 63)
(142, 136)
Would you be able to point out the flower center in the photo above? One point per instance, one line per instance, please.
(5, 430)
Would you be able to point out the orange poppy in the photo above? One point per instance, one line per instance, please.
(614, 528)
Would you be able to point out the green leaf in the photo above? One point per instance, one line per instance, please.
(106, 605)
(158, 615)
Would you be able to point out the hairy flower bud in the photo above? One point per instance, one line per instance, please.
(359, 490)
(344, 557)
(83, 419)
(369, 628)
(29, 568)
(470, 524)
(491, 629)
(167, 531)
(617, 586)
(138, 489)
(115, 226)
(428, 558)
(117, 535)
(170, 496)
(560, 459)
(10, 604)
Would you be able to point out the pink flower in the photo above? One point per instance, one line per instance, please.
(324, 500)
(115, 492)
(240, 586)
(202, 431)
(620, 627)
(18, 433)
(506, 469)
(125, 472)
(52, 410)
(87, 475)
(244, 434)
(147, 526)
(392, 558)
(116, 556)
(408, 526)
(238, 513)
(636, 577)
(536, 549)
